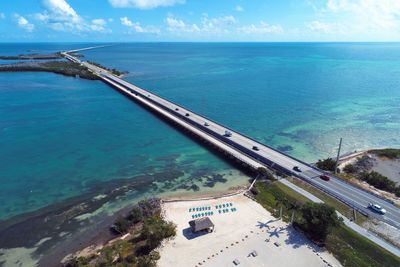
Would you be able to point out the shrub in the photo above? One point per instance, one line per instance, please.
(327, 164)
(135, 215)
(379, 181)
(390, 153)
(265, 173)
(122, 225)
(350, 168)
(318, 220)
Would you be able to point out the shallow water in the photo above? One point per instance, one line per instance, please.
(60, 137)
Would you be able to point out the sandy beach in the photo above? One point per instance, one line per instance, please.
(237, 234)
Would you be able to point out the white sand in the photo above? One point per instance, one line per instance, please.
(242, 231)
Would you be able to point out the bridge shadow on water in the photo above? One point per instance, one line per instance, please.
(187, 232)
(209, 147)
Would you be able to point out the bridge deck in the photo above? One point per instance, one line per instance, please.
(241, 147)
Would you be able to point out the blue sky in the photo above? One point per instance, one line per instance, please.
(199, 20)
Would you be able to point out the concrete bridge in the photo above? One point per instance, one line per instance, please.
(245, 149)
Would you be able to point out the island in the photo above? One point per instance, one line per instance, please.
(66, 68)
(55, 63)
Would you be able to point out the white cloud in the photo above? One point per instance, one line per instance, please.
(60, 16)
(136, 27)
(239, 9)
(223, 24)
(325, 27)
(99, 25)
(177, 25)
(2, 16)
(23, 23)
(262, 28)
(357, 17)
(144, 4)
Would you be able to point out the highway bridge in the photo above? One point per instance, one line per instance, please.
(247, 150)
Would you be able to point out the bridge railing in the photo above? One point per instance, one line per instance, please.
(247, 151)
(218, 136)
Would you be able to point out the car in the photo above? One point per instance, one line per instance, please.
(206, 124)
(187, 114)
(227, 133)
(177, 109)
(255, 148)
(324, 177)
(377, 208)
(296, 168)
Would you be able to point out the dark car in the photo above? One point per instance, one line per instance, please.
(324, 177)
(177, 109)
(187, 114)
(255, 148)
(296, 168)
(206, 124)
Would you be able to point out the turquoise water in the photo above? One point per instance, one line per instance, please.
(60, 136)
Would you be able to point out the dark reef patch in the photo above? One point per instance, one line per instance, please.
(285, 148)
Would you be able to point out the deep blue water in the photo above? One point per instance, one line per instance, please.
(60, 135)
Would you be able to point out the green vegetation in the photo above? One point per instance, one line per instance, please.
(390, 153)
(333, 202)
(350, 248)
(265, 173)
(379, 181)
(360, 170)
(66, 68)
(326, 164)
(113, 71)
(350, 168)
(274, 195)
(147, 229)
(317, 220)
(32, 57)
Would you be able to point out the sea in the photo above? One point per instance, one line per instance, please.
(66, 142)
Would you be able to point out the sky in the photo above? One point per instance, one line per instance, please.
(199, 20)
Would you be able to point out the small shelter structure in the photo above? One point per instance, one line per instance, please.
(201, 224)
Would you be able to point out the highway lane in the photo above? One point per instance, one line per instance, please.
(335, 186)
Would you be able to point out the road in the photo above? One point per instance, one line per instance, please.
(355, 227)
(241, 147)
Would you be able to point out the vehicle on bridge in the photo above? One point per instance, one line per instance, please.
(325, 177)
(296, 168)
(227, 133)
(377, 208)
(187, 114)
(206, 124)
(256, 148)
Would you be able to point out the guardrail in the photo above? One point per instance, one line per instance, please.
(205, 129)
(248, 152)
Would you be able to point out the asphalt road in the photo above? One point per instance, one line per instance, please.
(342, 190)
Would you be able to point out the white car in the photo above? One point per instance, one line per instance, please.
(377, 208)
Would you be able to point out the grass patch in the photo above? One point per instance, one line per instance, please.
(274, 195)
(390, 153)
(339, 206)
(352, 249)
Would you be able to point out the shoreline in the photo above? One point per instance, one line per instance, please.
(65, 68)
(78, 222)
